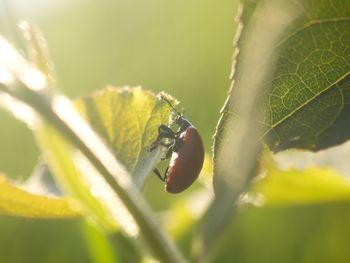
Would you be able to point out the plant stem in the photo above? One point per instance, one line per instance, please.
(162, 247)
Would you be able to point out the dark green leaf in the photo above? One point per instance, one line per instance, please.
(309, 93)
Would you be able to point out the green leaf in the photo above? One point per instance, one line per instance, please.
(17, 202)
(127, 119)
(309, 92)
(304, 101)
(99, 198)
(290, 85)
(109, 200)
(293, 186)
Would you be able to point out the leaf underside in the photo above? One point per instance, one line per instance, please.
(127, 119)
(307, 98)
(309, 95)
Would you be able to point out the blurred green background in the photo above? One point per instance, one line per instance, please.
(181, 47)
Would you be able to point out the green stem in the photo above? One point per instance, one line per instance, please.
(162, 247)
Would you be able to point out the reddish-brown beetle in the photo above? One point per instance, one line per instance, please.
(186, 151)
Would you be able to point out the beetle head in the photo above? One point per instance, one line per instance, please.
(179, 119)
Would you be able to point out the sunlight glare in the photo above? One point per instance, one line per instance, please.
(102, 191)
(33, 79)
(66, 111)
(20, 110)
(11, 62)
(6, 77)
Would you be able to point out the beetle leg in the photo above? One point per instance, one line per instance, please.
(164, 128)
(177, 144)
(182, 128)
(169, 150)
(163, 132)
(156, 171)
(158, 142)
(153, 146)
(168, 153)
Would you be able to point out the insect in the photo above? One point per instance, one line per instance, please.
(185, 150)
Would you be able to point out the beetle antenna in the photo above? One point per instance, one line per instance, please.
(171, 105)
